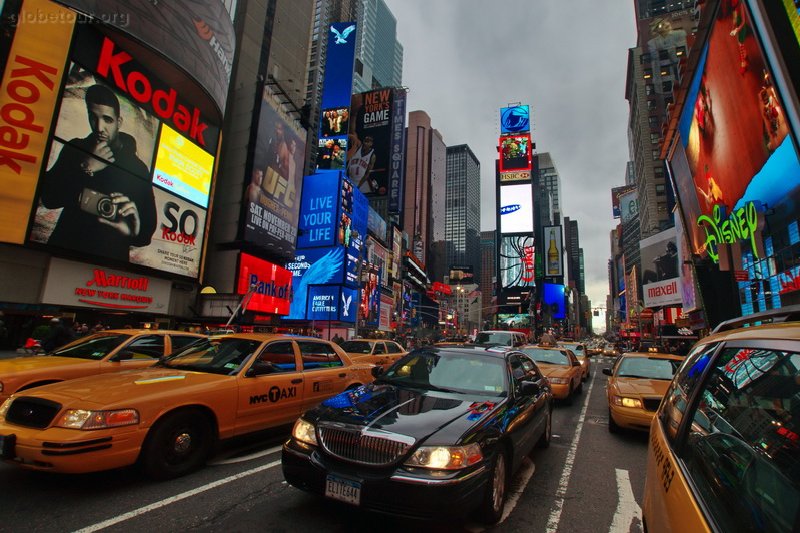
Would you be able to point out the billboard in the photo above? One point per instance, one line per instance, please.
(724, 181)
(515, 119)
(317, 266)
(336, 90)
(370, 141)
(616, 193)
(34, 97)
(554, 252)
(517, 259)
(271, 285)
(553, 300)
(515, 153)
(628, 205)
(516, 208)
(183, 168)
(461, 274)
(660, 272)
(318, 211)
(371, 295)
(273, 194)
(397, 164)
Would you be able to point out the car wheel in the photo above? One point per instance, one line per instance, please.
(178, 444)
(579, 389)
(494, 498)
(544, 440)
(570, 395)
(612, 426)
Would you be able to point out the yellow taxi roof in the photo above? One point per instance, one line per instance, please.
(781, 331)
(657, 355)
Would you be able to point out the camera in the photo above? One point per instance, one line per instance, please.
(97, 203)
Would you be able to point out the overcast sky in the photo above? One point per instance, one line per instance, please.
(465, 59)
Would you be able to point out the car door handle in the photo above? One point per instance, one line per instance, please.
(342, 375)
(296, 381)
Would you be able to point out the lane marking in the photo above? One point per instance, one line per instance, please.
(243, 458)
(628, 516)
(561, 493)
(178, 497)
(515, 490)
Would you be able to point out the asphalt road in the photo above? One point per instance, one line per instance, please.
(587, 481)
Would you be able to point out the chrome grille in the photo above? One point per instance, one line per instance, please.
(372, 448)
(651, 404)
(32, 412)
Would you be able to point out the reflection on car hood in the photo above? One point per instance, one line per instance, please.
(23, 364)
(641, 387)
(416, 413)
(126, 386)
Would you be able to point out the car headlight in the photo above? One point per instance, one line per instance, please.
(304, 432)
(446, 457)
(87, 420)
(622, 401)
(559, 381)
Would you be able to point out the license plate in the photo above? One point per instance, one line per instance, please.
(7, 443)
(343, 490)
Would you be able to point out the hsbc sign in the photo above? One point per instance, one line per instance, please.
(662, 293)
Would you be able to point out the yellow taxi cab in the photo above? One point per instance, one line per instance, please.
(636, 384)
(580, 351)
(376, 351)
(108, 351)
(724, 446)
(168, 417)
(561, 368)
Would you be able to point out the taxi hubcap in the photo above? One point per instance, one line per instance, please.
(499, 482)
(182, 443)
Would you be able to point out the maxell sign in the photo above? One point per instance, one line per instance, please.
(662, 293)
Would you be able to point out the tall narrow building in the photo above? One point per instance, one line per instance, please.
(550, 181)
(463, 208)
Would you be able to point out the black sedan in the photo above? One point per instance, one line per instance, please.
(438, 434)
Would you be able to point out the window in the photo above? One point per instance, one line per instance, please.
(393, 347)
(663, 55)
(742, 449)
(279, 356)
(149, 347)
(656, 154)
(666, 86)
(318, 355)
(647, 73)
(655, 124)
(380, 349)
(660, 189)
(645, 58)
(181, 341)
(655, 138)
(652, 104)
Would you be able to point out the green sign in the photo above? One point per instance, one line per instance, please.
(741, 225)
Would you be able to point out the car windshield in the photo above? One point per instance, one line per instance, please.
(495, 337)
(552, 357)
(364, 347)
(577, 349)
(216, 356)
(94, 347)
(451, 372)
(647, 367)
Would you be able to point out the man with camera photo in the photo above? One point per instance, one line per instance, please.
(102, 185)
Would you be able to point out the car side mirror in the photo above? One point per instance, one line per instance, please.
(260, 368)
(124, 355)
(529, 388)
(377, 371)
(607, 371)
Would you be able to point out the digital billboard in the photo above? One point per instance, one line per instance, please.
(628, 205)
(315, 266)
(461, 274)
(616, 193)
(318, 210)
(517, 260)
(553, 251)
(516, 208)
(726, 180)
(271, 285)
(553, 299)
(371, 294)
(129, 166)
(324, 302)
(370, 140)
(25, 141)
(515, 119)
(515, 153)
(660, 272)
(272, 197)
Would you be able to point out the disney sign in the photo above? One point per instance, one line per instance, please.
(741, 225)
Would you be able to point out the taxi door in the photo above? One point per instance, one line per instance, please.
(271, 390)
(325, 374)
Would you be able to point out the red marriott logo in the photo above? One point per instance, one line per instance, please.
(139, 86)
(101, 279)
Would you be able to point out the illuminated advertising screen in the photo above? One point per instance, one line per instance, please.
(515, 153)
(358, 231)
(314, 266)
(515, 119)
(271, 285)
(272, 197)
(370, 141)
(516, 208)
(331, 154)
(182, 167)
(348, 311)
(553, 251)
(727, 179)
(553, 299)
(371, 295)
(616, 193)
(98, 195)
(318, 211)
(23, 157)
(517, 256)
(397, 162)
(514, 320)
(334, 122)
(377, 225)
(324, 302)
(628, 205)
(461, 274)
(660, 272)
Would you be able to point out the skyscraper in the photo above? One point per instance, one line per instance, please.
(463, 208)
(550, 181)
(379, 56)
